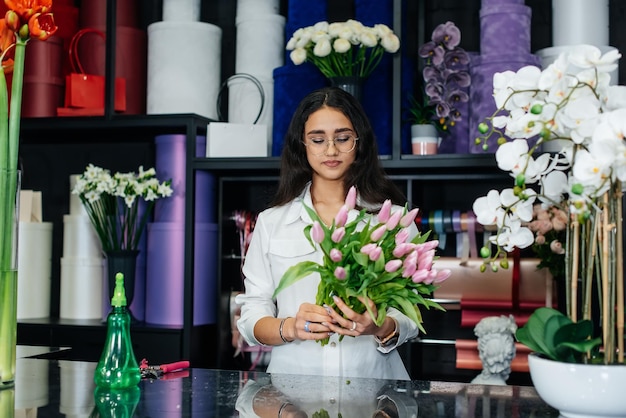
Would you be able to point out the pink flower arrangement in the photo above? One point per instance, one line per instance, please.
(374, 260)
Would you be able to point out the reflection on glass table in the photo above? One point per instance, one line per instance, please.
(56, 388)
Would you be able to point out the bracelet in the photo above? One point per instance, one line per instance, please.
(282, 407)
(389, 339)
(280, 332)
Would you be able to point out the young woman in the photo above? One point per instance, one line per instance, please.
(329, 147)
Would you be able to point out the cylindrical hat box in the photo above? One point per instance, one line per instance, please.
(259, 55)
(181, 10)
(130, 62)
(252, 8)
(93, 13)
(76, 206)
(482, 70)
(44, 83)
(81, 288)
(184, 67)
(171, 161)
(577, 22)
(34, 265)
(79, 238)
(165, 273)
(77, 386)
(505, 29)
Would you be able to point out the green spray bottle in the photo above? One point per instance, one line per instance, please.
(118, 368)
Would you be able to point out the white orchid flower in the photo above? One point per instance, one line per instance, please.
(614, 98)
(589, 56)
(511, 156)
(486, 208)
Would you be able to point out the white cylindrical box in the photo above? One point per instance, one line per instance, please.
(255, 54)
(81, 288)
(181, 10)
(251, 8)
(34, 264)
(184, 68)
(76, 206)
(77, 386)
(79, 238)
(580, 22)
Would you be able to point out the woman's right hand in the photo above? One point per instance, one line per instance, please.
(311, 322)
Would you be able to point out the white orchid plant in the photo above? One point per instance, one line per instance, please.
(341, 49)
(573, 102)
(112, 203)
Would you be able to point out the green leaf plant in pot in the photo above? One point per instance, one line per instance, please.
(571, 101)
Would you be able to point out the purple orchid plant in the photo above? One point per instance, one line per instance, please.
(445, 78)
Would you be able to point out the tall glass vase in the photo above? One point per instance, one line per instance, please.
(9, 210)
(351, 84)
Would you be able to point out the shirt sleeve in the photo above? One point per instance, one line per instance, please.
(257, 301)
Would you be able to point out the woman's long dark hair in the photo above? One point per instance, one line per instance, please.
(366, 172)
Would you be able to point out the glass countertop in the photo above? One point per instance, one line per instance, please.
(57, 388)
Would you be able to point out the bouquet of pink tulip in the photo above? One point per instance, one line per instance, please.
(376, 261)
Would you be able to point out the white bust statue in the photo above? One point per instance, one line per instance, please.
(496, 348)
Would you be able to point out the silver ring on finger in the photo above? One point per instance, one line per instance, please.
(306, 326)
(353, 326)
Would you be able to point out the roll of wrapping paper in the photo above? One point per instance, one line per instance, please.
(165, 273)
(171, 163)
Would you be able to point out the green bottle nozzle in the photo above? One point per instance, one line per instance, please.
(119, 294)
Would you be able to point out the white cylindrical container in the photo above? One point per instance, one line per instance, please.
(77, 386)
(34, 265)
(580, 22)
(81, 288)
(79, 238)
(31, 384)
(248, 8)
(184, 64)
(260, 45)
(424, 139)
(181, 10)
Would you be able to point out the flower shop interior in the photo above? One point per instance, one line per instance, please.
(202, 71)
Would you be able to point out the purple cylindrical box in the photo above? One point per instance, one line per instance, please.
(171, 157)
(166, 268)
(505, 29)
(482, 70)
(489, 3)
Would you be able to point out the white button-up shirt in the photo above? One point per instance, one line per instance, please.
(278, 242)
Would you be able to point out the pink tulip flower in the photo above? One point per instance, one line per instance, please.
(403, 249)
(336, 255)
(367, 248)
(393, 220)
(385, 212)
(338, 234)
(442, 275)
(378, 233)
(351, 198)
(393, 265)
(408, 219)
(409, 269)
(375, 253)
(402, 236)
(317, 232)
(419, 276)
(340, 273)
(342, 216)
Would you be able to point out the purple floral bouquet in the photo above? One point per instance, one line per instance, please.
(373, 260)
(445, 76)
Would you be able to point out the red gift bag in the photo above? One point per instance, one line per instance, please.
(84, 93)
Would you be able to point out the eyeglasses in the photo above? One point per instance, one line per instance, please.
(343, 143)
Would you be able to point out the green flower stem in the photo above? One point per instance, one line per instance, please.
(8, 324)
(4, 127)
(16, 103)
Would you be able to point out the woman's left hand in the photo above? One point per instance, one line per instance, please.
(352, 323)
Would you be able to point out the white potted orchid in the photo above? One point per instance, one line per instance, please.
(571, 101)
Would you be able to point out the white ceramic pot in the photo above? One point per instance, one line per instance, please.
(424, 139)
(580, 390)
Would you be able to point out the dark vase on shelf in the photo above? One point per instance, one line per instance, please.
(125, 262)
(352, 84)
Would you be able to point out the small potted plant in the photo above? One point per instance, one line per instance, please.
(446, 79)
